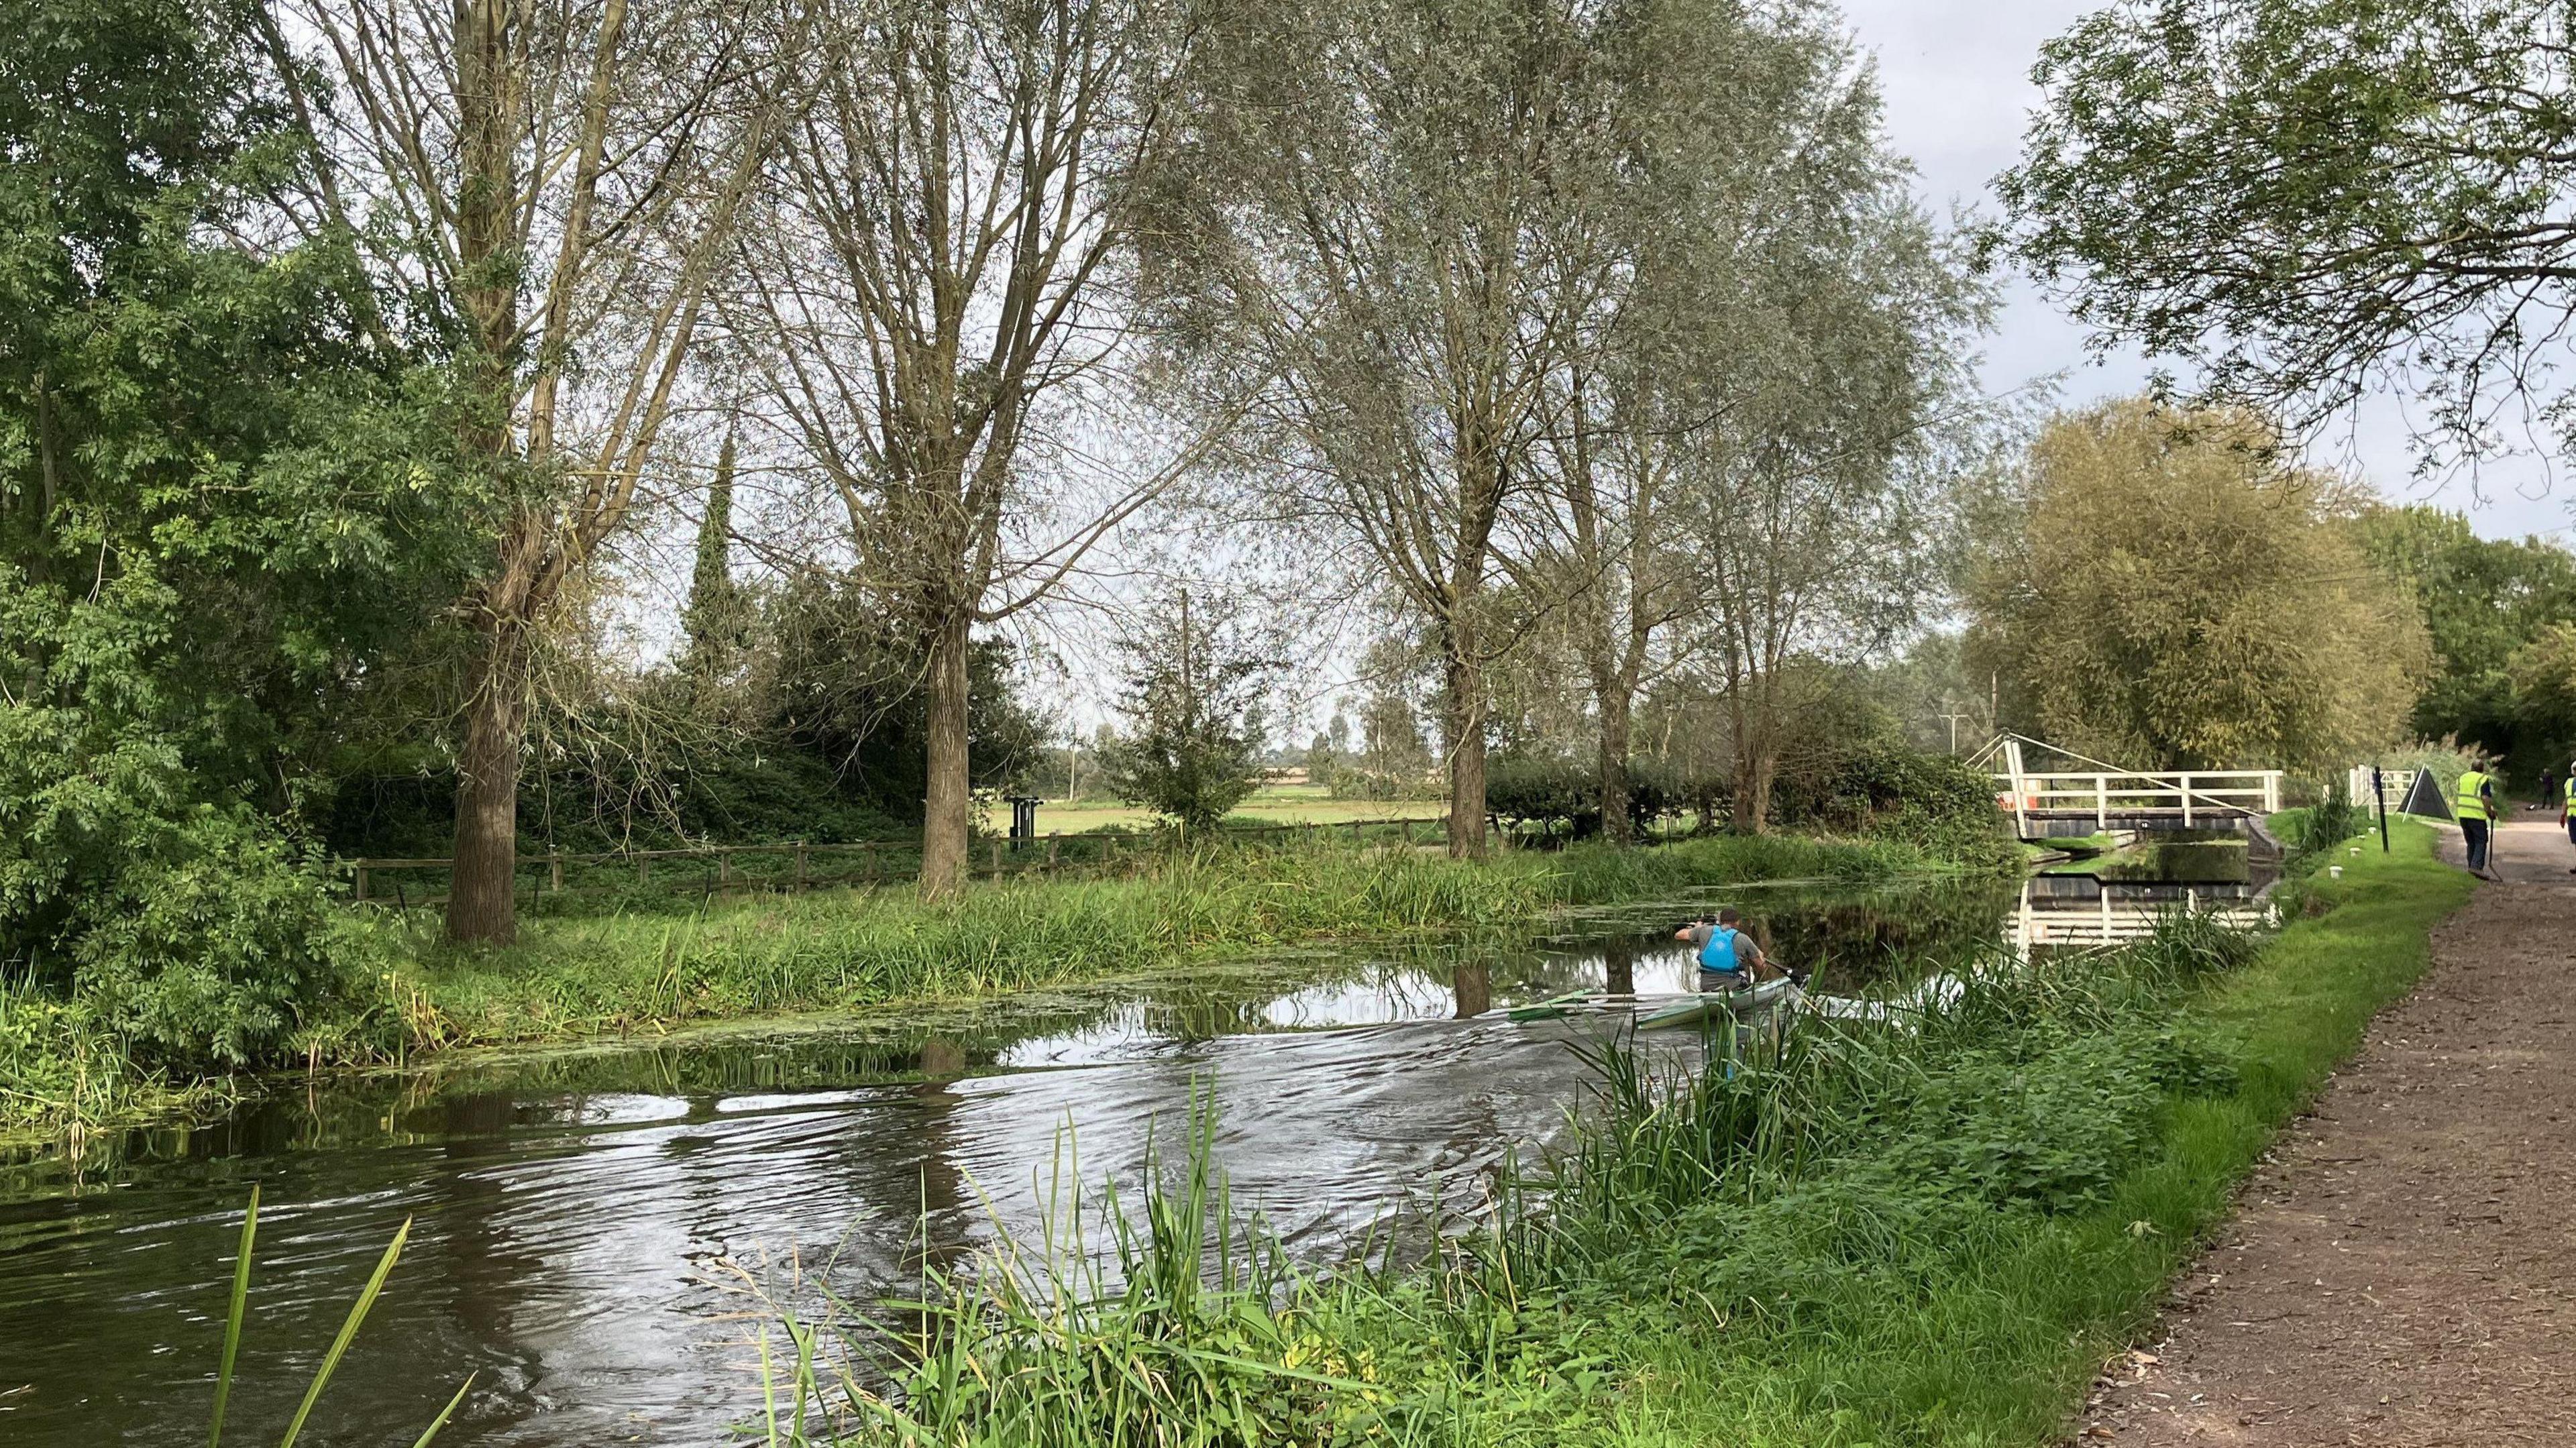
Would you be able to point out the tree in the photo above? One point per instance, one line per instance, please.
(2482, 602)
(2311, 197)
(1712, 345)
(216, 527)
(1194, 710)
(931, 302)
(2181, 595)
(720, 613)
(551, 189)
(1356, 239)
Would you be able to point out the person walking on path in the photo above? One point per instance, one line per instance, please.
(2567, 809)
(2549, 786)
(2474, 801)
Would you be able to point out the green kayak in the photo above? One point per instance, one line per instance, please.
(1693, 1009)
(1555, 1006)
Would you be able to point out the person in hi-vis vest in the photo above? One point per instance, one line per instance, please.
(2567, 810)
(2474, 801)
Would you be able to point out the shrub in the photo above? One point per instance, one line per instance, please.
(1891, 791)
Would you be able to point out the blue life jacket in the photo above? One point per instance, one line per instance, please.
(1719, 953)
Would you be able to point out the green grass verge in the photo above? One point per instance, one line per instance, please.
(844, 948)
(1930, 1236)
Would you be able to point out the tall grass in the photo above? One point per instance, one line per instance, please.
(65, 1077)
(1925, 1227)
(843, 948)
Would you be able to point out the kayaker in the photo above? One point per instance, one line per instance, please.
(1729, 959)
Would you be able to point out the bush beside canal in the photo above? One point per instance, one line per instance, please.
(1879, 1236)
(64, 1065)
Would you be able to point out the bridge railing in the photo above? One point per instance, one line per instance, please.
(2187, 795)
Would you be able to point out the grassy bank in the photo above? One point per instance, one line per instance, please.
(846, 948)
(1930, 1235)
(62, 1075)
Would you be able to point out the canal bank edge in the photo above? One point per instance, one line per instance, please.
(584, 978)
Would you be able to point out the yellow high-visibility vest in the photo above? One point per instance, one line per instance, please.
(2470, 803)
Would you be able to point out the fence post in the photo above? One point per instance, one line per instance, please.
(2186, 801)
(643, 869)
(362, 882)
(724, 868)
(554, 870)
(997, 859)
(1054, 843)
(2102, 802)
(800, 867)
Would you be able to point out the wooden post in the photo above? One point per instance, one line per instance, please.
(643, 869)
(868, 852)
(1408, 832)
(1053, 842)
(362, 881)
(800, 867)
(554, 870)
(2186, 801)
(2102, 802)
(724, 868)
(997, 859)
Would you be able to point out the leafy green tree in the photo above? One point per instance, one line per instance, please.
(2179, 596)
(2483, 602)
(214, 527)
(2543, 675)
(1194, 712)
(2306, 196)
(720, 615)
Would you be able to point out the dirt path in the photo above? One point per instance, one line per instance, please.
(2403, 1270)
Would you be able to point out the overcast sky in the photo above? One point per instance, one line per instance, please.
(1957, 80)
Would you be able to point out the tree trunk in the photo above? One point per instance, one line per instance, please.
(947, 801)
(1619, 967)
(1615, 824)
(1753, 769)
(1464, 699)
(482, 901)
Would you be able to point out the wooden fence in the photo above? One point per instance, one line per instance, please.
(797, 865)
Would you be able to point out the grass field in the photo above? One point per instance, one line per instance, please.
(1927, 1236)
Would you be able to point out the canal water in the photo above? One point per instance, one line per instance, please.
(585, 1220)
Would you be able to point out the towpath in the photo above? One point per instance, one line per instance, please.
(2402, 1271)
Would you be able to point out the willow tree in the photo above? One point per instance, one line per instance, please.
(934, 302)
(2182, 595)
(551, 188)
(1818, 498)
(1359, 237)
(1699, 325)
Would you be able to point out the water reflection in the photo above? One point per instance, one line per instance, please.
(579, 1213)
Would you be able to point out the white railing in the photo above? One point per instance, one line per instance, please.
(2206, 794)
(2104, 921)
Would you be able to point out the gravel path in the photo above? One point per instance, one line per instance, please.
(2402, 1270)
